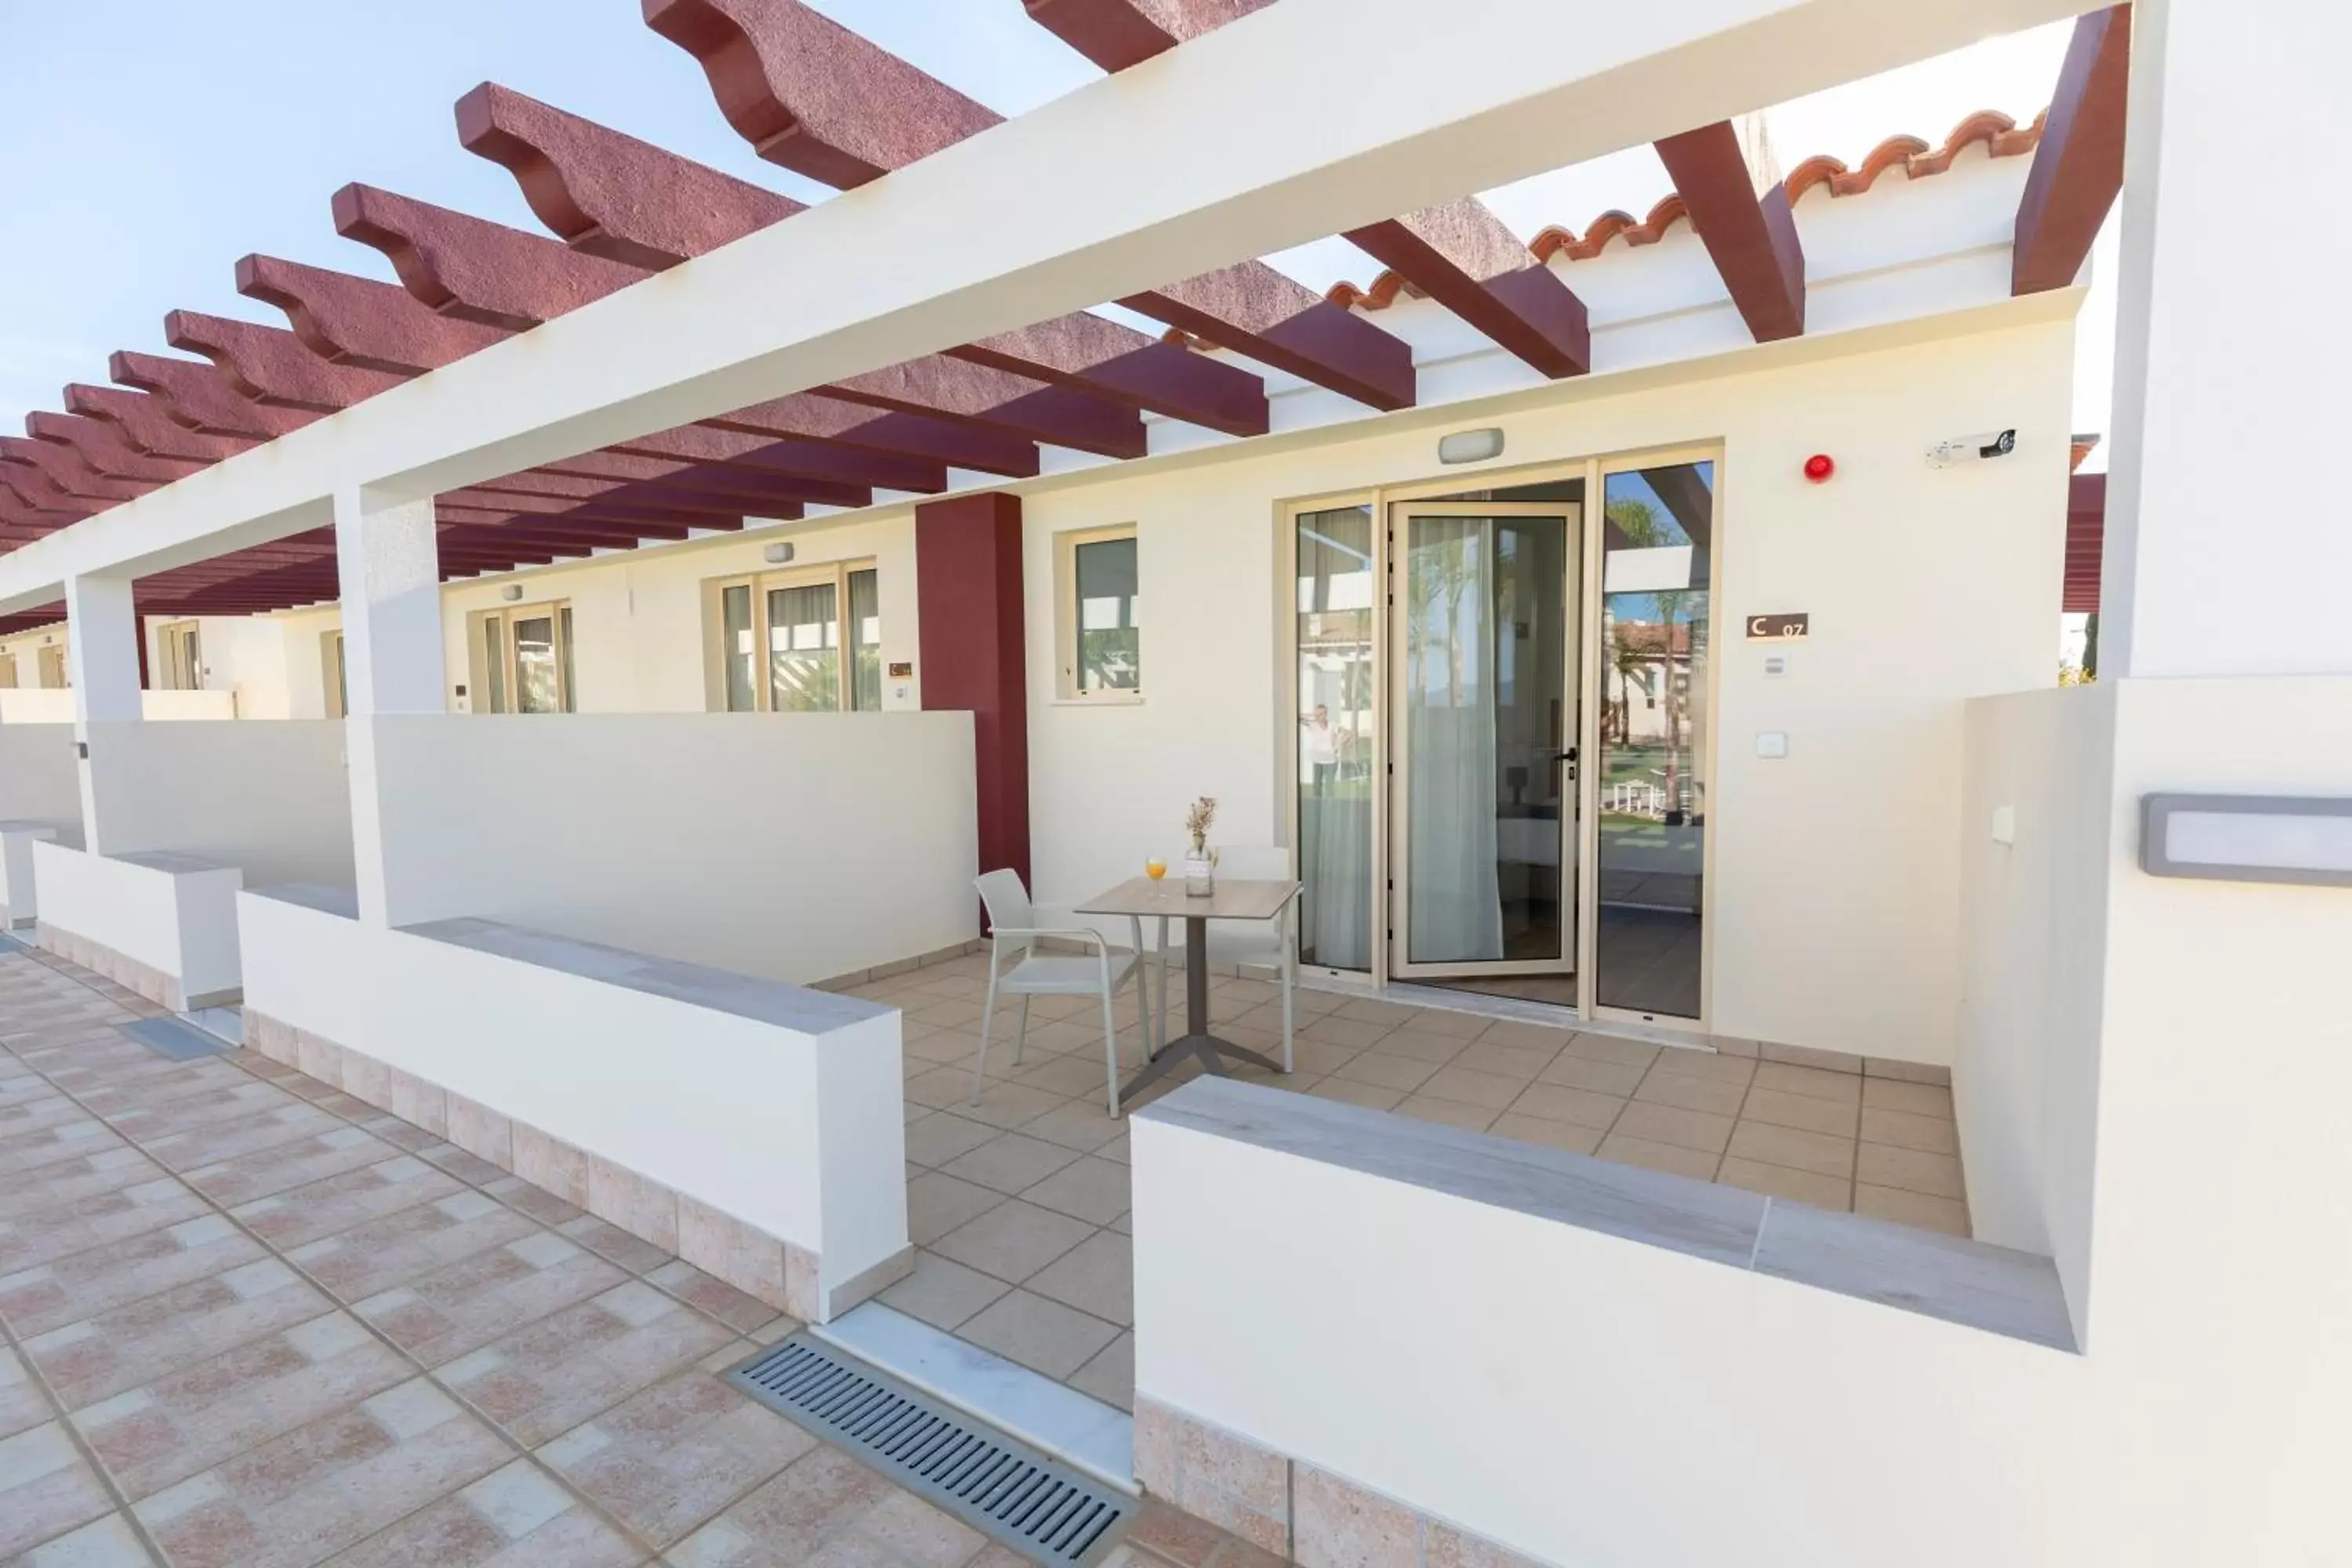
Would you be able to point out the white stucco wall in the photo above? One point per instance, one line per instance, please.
(268, 797)
(798, 1131)
(1836, 874)
(796, 846)
(39, 780)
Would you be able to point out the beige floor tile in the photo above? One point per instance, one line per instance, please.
(1928, 1134)
(1714, 1065)
(1010, 1105)
(1793, 1147)
(1916, 1209)
(941, 1291)
(1913, 1099)
(1009, 1162)
(1337, 1031)
(936, 1140)
(1388, 1015)
(1489, 1090)
(1617, 1048)
(1551, 1134)
(1450, 1112)
(1423, 1046)
(1781, 1181)
(1781, 1109)
(1578, 1106)
(1096, 1190)
(1096, 1277)
(1520, 1062)
(1445, 1021)
(1043, 1335)
(1516, 1036)
(1368, 1095)
(1696, 1130)
(1715, 1096)
(937, 1204)
(1386, 1071)
(1912, 1170)
(1620, 1078)
(1110, 1375)
(1658, 1156)
(1818, 1082)
(1013, 1240)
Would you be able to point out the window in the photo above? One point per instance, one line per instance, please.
(524, 658)
(7, 669)
(52, 667)
(803, 641)
(182, 647)
(1098, 623)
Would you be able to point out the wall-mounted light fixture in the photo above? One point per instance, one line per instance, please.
(777, 554)
(2248, 839)
(1470, 446)
(511, 592)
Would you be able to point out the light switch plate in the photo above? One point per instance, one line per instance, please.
(1776, 664)
(1772, 743)
(2004, 825)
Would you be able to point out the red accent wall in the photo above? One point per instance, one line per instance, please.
(970, 640)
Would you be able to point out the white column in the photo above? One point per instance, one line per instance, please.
(101, 649)
(102, 669)
(388, 560)
(2225, 539)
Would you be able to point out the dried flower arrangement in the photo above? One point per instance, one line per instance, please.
(1197, 820)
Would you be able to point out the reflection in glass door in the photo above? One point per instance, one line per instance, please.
(1484, 629)
(1339, 734)
(1657, 538)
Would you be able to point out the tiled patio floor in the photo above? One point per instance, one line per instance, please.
(1019, 1204)
(250, 1322)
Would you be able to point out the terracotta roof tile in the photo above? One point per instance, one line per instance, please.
(2003, 138)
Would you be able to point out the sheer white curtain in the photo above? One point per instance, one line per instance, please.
(1336, 863)
(1337, 738)
(1456, 911)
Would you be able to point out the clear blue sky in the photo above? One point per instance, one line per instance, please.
(149, 143)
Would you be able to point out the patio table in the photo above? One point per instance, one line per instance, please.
(1233, 900)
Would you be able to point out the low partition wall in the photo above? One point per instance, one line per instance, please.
(798, 846)
(1365, 1339)
(20, 897)
(270, 796)
(39, 778)
(755, 1129)
(162, 924)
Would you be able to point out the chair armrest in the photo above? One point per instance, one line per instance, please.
(1079, 933)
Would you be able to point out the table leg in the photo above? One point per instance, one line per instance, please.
(1197, 1043)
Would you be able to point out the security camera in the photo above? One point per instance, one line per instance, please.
(1972, 448)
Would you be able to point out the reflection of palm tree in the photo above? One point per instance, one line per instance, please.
(1628, 660)
(1643, 528)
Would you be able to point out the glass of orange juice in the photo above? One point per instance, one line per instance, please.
(1155, 867)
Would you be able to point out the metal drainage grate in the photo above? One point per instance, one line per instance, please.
(175, 1038)
(1048, 1513)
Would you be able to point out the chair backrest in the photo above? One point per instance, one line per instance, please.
(1007, 903)
(1254, 862)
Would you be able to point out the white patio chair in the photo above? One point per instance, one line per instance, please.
(1272, 943)
(1014, 933)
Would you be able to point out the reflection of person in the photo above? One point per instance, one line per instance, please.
(1320, 746)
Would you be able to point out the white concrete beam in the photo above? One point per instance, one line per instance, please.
(2226, 548)
(1223, 148)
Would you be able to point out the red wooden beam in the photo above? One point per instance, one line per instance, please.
(946, 441)
(358, 321)
(69, 471)
(1465, 257)
(816, 98)
(1117, 34)
(610, 195)
(35, 491)
(474, 269)
(2078, 165)
(201, 398)
(997, 400)
(148, 426)
(1751, 234)
(2086, 530)
(271, 366)
(105, 448)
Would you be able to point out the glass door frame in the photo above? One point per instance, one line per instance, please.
(1397, 823)
(760, 584)
(1588, 666)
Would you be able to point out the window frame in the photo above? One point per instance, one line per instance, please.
(759, 586)
(481, 654)
(180, 649)
(1067, 617)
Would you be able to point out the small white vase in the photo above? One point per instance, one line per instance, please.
(1201, 874)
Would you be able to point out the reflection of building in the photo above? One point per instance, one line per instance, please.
(1638, 704)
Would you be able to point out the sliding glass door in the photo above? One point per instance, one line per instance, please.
(1483, 629)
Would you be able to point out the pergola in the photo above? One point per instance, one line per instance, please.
(655, 444)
